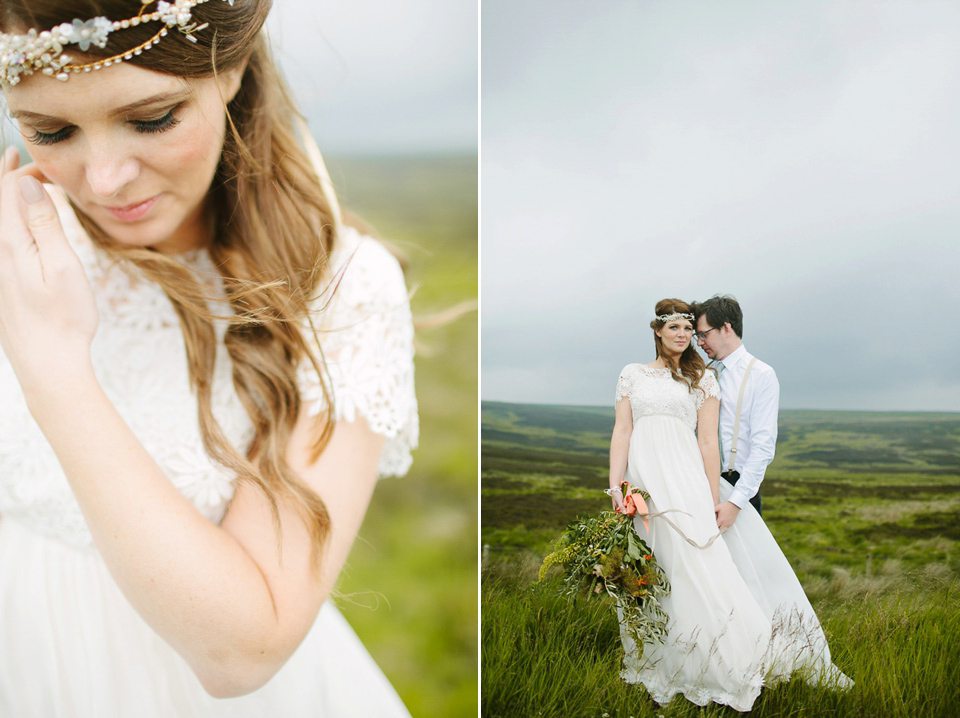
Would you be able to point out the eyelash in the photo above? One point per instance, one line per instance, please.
(147, 127)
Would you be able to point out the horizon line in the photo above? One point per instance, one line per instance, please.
(606, 406)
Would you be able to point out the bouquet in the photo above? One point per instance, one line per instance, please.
(603, 556)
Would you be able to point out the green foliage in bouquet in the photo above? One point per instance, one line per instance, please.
(603, 556)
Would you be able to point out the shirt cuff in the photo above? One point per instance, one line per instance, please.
(739, 497)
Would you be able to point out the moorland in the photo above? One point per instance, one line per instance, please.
(865, 505)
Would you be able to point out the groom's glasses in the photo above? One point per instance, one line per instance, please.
(702, 335)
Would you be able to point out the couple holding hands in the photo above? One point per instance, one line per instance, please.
(698, 439)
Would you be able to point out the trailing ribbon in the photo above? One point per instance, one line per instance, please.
(635, 506)
(686, 538)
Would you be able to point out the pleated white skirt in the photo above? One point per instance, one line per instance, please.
(739, 618)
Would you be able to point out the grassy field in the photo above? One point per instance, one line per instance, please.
(410, 588)
(866, 507)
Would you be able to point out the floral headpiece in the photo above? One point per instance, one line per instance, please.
(43, 51)
(671, 317)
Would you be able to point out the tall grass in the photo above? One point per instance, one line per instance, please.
(548, 655)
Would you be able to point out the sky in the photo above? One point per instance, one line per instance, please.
(382, 76)
(801, 156)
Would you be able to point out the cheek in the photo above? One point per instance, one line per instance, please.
(59, 168)
(192, 153)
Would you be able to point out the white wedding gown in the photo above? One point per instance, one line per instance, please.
(70, 643)
(738, 617)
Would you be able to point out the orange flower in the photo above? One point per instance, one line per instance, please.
(634, 504)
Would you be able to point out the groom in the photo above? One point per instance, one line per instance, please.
(719, 329)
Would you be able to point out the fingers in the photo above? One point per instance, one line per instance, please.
(14, 234)
(43, 222)
(29, 222)
(11, 159)
(34, 171)
(9, 162)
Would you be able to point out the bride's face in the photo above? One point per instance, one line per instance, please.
(675, 336)
(136, 150)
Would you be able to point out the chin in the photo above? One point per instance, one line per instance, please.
(137, 235)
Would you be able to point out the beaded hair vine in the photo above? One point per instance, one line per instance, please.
(671, 317)
(44, 51)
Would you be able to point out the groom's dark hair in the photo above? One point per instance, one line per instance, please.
(719, 311)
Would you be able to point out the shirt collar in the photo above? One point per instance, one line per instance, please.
(735, 357)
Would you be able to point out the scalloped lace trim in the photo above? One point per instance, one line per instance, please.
(139, 355)
(654, 392)
(366, 333)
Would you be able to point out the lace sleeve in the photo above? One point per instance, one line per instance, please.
(709, 387)
(365, 332)
(624, 383)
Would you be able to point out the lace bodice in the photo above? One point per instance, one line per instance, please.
(653, 391)
(365, 331)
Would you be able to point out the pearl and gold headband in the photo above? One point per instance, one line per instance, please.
(671, 317)
(44, 51)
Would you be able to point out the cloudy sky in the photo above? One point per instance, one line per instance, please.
(802, 156)
(379, 77)
(382, 76)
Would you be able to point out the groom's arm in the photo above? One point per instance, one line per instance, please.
(764, 412)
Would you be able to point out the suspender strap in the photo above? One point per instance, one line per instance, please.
(736, 421)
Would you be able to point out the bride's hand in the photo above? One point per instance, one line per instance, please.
(616, 496)
(48, 315)
(726, 513)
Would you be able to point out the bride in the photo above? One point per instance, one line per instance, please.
(204, 371)
(739, 618)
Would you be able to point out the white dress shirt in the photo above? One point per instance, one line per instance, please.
(757, 439)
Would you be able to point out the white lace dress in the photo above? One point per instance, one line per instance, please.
(70, 643)
(739, 618)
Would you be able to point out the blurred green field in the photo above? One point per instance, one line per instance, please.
(410, 587)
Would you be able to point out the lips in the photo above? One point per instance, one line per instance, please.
(133, 212)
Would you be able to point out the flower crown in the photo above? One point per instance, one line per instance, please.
(43, 51)
(670, 317)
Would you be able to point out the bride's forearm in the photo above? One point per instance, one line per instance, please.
(619, 447)
(709, 451)
(190, 580)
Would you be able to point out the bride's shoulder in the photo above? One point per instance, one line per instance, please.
(630, 370)
(361, 256)
(709, 384)
(627, 376)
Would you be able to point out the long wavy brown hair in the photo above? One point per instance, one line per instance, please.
(273, 232)
(690, 367)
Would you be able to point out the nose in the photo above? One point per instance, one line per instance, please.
(109, 170)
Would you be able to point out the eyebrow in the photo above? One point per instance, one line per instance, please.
(163, 98)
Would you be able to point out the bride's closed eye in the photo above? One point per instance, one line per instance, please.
(163, 123)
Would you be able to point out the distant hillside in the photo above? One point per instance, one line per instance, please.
(846, 488)
(895, 442)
